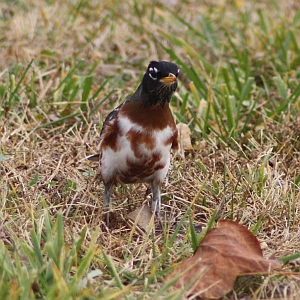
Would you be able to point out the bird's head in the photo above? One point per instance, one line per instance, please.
(160, 81)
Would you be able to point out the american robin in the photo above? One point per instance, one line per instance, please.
(137, 136)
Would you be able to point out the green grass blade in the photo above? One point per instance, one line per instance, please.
(194, 239)
(101, 102)
(289, 258)
(247, 88)
(87, 86)
(68, 77)
(182, 43)
(37, 248)
(280, 87)
(5, 261)
(59, 120)
(13, 94)
(295, 94)
(113, 270)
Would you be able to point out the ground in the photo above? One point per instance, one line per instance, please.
(64, 65)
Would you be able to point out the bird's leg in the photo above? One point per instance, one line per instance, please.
(156, 202)
(156, 199)
(106, 202)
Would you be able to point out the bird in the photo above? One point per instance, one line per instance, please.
(137, 136)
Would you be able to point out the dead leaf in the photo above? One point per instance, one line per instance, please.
(53, 117)
(94, 157)
(184, 137)
(141, 216)
(200, 145)
(225, 253)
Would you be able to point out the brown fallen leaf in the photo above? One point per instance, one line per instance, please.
(225, 252)
(141, 216)
(184, 137)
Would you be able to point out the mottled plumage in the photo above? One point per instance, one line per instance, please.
(137, 136)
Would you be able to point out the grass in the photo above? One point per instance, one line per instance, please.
(66, 64)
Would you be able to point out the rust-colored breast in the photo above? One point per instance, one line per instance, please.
(136, 144)
(140, 142)
(150, 117)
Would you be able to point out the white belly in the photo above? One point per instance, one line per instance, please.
(117, 164)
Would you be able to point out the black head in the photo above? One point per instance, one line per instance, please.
(159, 82)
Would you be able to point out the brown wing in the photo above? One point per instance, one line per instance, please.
(175, 141)
(111, 116)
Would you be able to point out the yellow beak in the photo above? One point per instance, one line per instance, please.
(168, 79)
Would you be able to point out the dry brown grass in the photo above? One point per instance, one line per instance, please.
(67, 182)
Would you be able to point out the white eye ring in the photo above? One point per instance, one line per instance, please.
(154, 73)
(154, 78)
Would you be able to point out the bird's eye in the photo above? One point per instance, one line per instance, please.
(153, 73)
